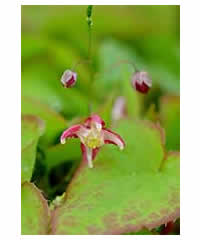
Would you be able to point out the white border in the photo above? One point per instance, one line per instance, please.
(10, 104)
(101, 2)
(190, 120)
(10, 120)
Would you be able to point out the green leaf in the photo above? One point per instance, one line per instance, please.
(34, 211)
(170, 119)
(32, 128)
(126, 191)
(54, 122)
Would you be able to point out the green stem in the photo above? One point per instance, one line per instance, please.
(89, 42)
(89, 22)
(86, 61)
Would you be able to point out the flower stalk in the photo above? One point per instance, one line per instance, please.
(90, 23)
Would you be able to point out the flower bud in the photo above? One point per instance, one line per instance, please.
(141, 82)
(68, 79)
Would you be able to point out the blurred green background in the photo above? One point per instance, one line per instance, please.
(55, 38)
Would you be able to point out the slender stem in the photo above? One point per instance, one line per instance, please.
(90, 23)
(89, 42)
(128, 62)
(87, 61)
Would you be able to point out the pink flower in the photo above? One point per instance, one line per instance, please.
(141, 82)
(93, 135)
(68, 79)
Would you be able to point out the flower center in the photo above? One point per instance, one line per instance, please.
(94, 138)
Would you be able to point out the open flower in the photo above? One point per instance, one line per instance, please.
(141, 82)
(93, 135)
(68, 79)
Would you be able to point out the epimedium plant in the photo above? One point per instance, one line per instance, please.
(109, 191)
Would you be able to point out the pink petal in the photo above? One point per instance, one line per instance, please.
(83, 149)
(141, 81)
(68, 79)
(113, 138)
(94, 118)
(143, 88)
(86, 154)
(70, 132)
(71, 82)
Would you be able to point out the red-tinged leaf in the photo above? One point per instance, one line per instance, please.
(126, 191)
(35, 212)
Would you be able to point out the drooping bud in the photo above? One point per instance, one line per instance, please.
(142, 82)
(68, 79)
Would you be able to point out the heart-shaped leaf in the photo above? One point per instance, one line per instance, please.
(32, 128)
(35, 213)
(170, 119)
(125, 191)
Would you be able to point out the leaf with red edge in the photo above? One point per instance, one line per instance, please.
(126, 191)
(35, 212)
